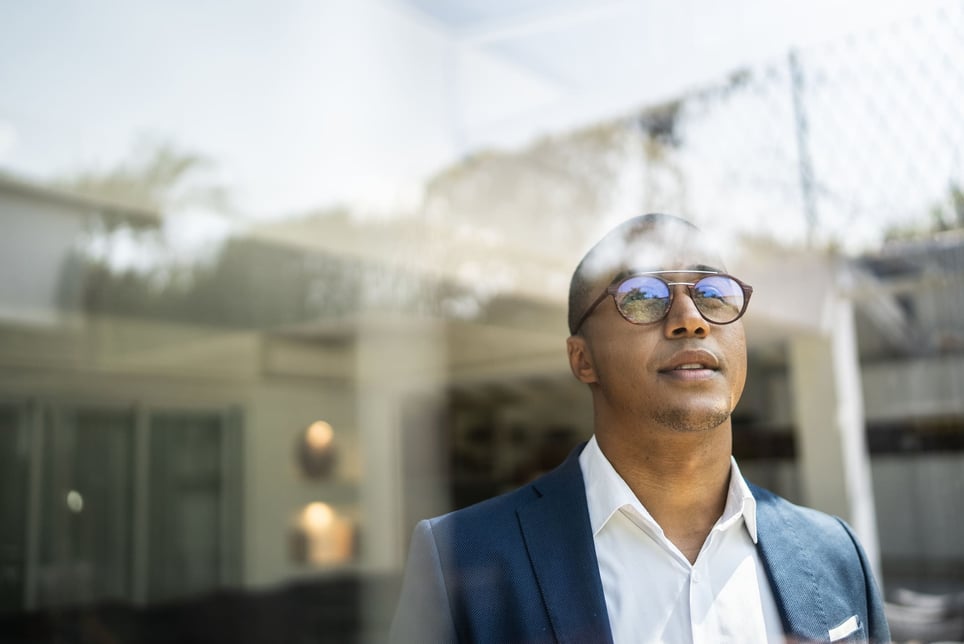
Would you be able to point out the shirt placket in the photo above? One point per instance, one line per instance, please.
(701, 595)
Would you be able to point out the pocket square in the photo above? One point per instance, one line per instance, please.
(844, 629)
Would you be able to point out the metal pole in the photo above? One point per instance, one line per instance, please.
(807, 182)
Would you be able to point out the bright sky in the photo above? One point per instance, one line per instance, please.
(304, 103)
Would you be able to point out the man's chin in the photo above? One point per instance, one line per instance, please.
(693, 421)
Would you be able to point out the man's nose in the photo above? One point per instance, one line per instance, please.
(684, 319)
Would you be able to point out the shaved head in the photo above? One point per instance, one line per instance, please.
(644, 243)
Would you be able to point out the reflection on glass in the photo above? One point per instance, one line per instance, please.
(75, 502)
(14, 459)
(316, 451)
(319, 435)
(186, 528)
(85, 556)
(425, 338)
(322, 536)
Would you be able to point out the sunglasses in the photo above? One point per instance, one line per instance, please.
(644, 298)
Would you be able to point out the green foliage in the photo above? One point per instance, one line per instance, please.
(946, 214)
(156, 175)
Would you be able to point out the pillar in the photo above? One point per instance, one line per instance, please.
(400, 368)
(832, 455)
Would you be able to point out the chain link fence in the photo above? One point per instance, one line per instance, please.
(842, 144)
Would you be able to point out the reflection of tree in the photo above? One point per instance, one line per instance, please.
(142, 267)
(949, 214)
(946, 214)
(555, 190)
(551, 191)
(259, 285)
(155, 175)
(664, 185)
(185, 225)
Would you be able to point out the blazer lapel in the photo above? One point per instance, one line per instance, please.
(559, 541)
(794, 576)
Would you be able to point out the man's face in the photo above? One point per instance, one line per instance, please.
(683, 372)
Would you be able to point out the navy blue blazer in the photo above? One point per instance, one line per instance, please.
(522, 567)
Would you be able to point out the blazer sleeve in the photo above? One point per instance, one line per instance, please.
(424, 612)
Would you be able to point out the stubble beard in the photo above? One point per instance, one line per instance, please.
(687, 420)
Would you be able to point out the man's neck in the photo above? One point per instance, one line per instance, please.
(680, 478)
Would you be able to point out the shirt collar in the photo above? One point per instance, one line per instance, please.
(607, 493)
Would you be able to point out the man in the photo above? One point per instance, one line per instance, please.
(648, 533)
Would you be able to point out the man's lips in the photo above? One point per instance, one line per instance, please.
(691, 360)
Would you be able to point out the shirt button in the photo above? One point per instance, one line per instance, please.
(695, 577)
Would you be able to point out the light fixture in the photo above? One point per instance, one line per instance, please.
(315, 450)
(322, 536)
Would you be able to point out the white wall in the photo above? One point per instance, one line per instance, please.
(894, 390)
(35, 238)
(919, 506)
(275, 490)
(915, 387)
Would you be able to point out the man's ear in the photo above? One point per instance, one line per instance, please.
(580, 359)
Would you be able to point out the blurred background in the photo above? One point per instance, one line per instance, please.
(279, 280)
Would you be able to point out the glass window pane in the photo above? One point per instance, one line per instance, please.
(185, 503)
(85, 548)
(364, 216)
(14, 459)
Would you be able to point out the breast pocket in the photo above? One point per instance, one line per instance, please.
(849, 630)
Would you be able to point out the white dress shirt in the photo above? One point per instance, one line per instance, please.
(653, 593)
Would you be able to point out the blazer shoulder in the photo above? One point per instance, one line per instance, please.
(565, 482)
(485, 514)
(516, 567)
(775, 509)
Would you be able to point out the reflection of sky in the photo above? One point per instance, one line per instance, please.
(292, 103)
(304, 103)
(466, 14)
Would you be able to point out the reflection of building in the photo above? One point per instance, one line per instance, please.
(120, 480)
(148, 425)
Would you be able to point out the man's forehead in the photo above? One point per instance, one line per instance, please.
(655, 248)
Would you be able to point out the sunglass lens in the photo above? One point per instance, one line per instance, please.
(719, 298)
(643, 299)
